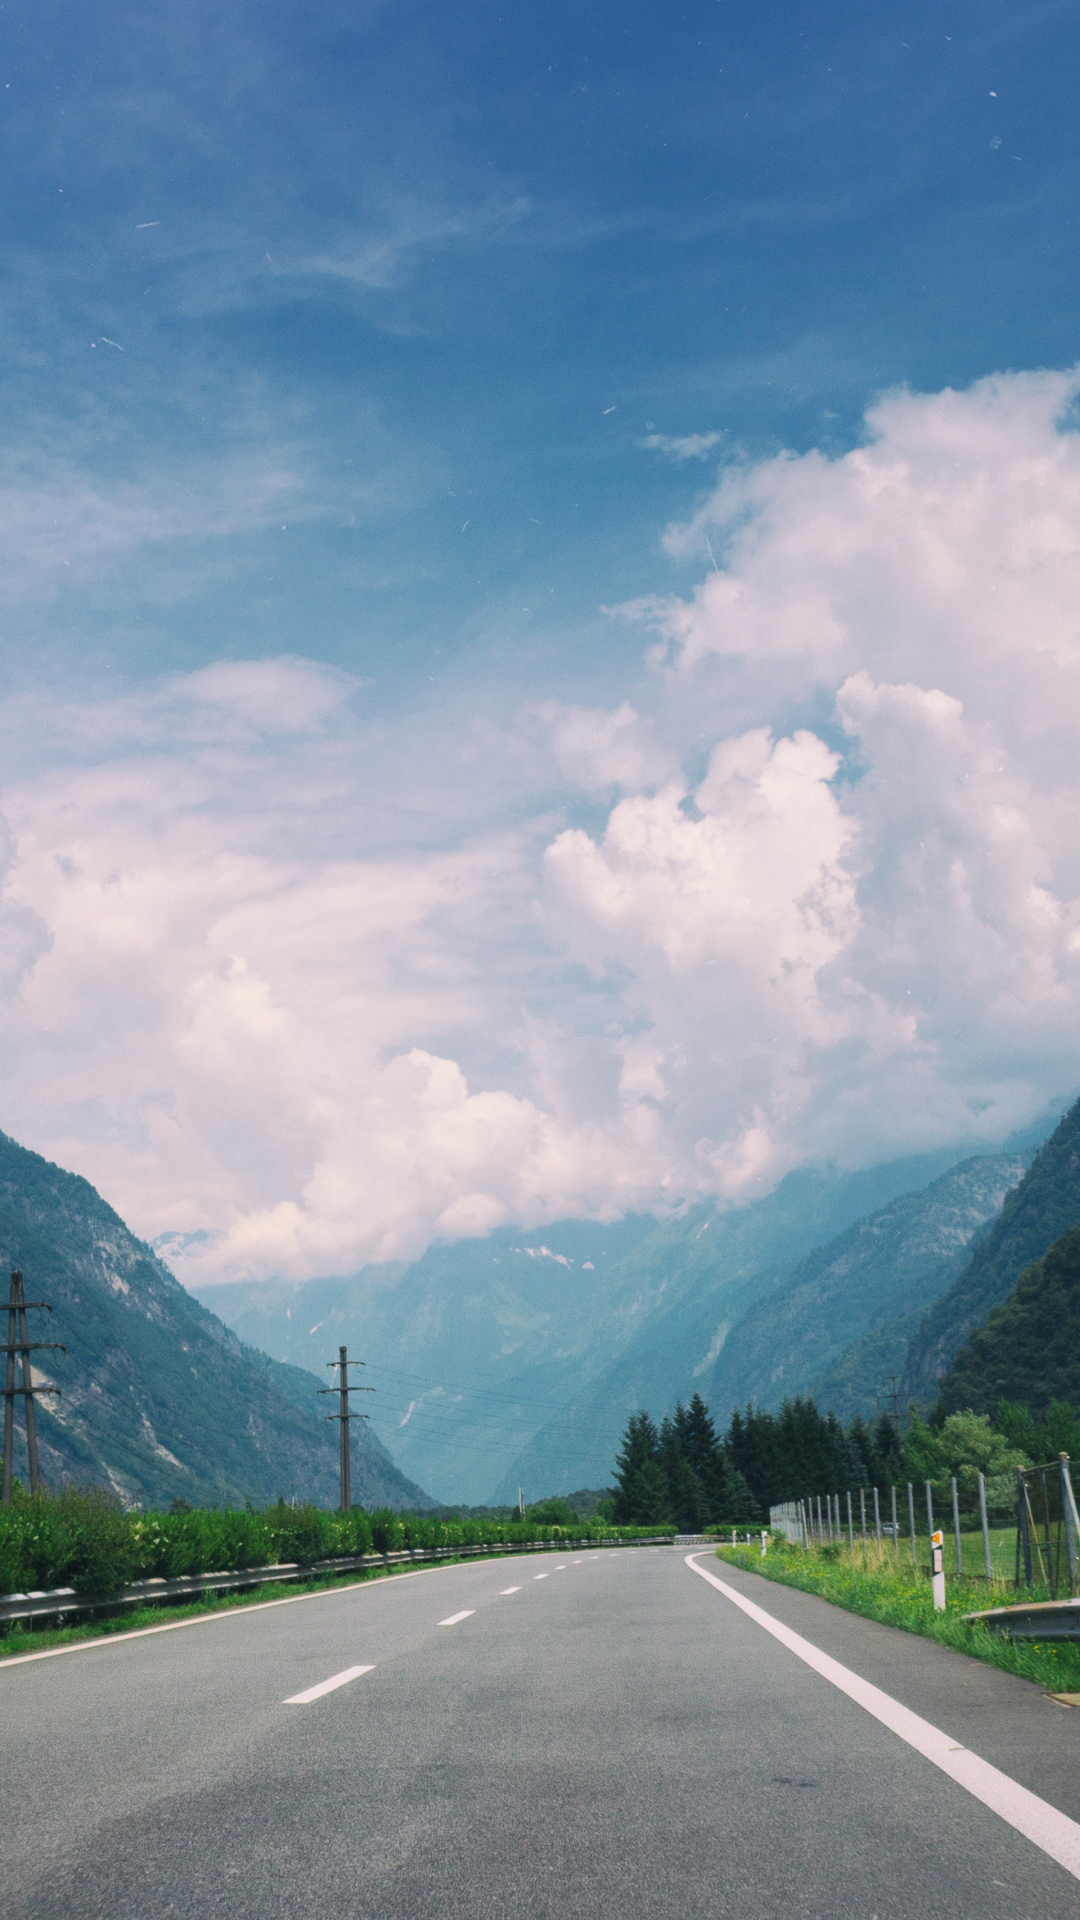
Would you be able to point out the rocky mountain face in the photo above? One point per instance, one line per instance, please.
(1044, 1205)
(897, 1261)
(159, 1399)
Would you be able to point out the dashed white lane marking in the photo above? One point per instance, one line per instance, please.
(541, 1576)
(325, 1686)
(455, 1617)
(506, 1590)
(561, 1569)
(1041, 1823)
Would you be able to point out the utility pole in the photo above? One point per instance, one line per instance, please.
(17, 1343)
(343, 1388)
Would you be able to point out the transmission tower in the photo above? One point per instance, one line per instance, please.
(343, 1388)
(18, 1345)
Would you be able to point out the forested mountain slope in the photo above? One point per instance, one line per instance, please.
(1029, 1349)
(159, 1399)
(1043, 1206)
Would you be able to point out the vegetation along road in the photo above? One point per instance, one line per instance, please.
(591, 1734)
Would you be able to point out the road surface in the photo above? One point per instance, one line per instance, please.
(597, 1734)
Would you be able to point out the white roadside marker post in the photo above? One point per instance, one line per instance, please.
(937, 1569)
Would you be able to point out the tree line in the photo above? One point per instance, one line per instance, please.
(683, 1474)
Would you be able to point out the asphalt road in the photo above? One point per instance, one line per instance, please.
(614, 1739)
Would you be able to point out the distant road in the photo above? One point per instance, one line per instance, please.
(613, 1738)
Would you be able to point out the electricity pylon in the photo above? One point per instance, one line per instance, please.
(18, 1345)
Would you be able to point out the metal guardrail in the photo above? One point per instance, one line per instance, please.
(60, 1603)
(1039, 1620)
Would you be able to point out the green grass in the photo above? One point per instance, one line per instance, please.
(874, 1582)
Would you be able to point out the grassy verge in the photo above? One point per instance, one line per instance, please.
(21, 1639)
(871, 1581)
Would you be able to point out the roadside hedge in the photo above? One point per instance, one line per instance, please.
(82, 1537)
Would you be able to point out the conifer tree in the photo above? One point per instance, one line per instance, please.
(641, 1491)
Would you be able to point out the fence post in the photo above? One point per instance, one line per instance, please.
(929, 1506)
(895, 1525)
(850, 1522)
(1072, 1523)
(956, 1530)
(820, 1528)
(877, 1516)
(911, 1517)
(862, 1512)
(985, 1528)
(1023, 1531)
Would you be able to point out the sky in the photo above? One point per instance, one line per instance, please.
(539, 605)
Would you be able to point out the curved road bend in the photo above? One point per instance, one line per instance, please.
(613, 1737)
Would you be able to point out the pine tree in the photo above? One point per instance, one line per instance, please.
(641, 1491)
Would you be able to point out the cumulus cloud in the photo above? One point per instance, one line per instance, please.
(248, 1014)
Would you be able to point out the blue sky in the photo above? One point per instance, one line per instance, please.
(403, 345)
(503, 244)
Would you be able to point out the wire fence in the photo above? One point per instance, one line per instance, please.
(1020, 1526)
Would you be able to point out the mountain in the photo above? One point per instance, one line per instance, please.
(158, 1398)
(759, 1312)
(514, 1360)
(1029, 1348)
(1045, 1205)
(898, 1260)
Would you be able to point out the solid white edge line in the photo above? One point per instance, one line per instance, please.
(1036, 1819)
(325, 1686)
(466, 1614)
(235, 1613)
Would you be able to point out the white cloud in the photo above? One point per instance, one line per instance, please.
(680, 447)
(597, 748)
(318, 989)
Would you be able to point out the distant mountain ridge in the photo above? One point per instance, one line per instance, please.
(515, 1360)
(779, 1328)
(159, 1399)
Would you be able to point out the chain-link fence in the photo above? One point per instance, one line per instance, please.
(1020, 1526)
